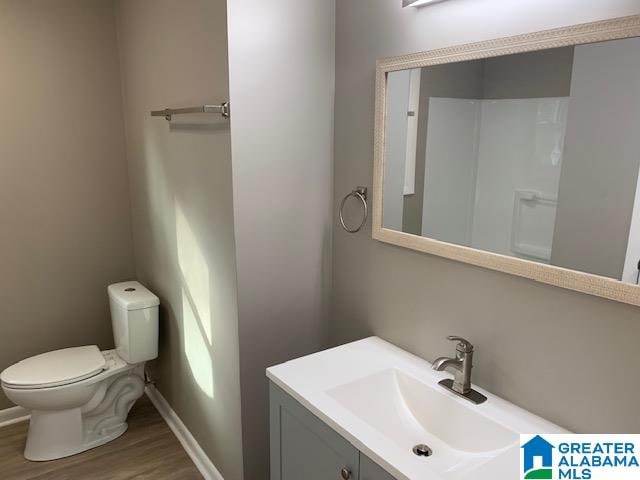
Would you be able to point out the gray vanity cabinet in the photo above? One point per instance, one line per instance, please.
(305, 448)
(369, 470)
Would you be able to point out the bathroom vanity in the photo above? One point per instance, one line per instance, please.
(368, 410)
(303, 446)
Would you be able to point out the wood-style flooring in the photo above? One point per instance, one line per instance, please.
(148, 450)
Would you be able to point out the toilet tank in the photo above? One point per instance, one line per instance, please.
(134, 317)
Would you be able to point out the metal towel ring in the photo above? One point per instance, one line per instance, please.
(361, 194)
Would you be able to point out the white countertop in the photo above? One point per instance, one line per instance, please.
(311, 380)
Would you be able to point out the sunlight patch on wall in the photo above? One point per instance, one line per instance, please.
(195, 272)
(196, 309)
(196, 348)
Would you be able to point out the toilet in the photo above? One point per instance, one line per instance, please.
(80, 397)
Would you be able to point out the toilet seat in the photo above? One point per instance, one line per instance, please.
(56, 368)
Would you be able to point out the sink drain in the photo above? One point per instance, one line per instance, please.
(422, 450)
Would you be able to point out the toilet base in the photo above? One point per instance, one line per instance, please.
(54, 435)
(61, 433)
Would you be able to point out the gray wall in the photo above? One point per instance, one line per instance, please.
(64, 196)
(527, 75)
(555, 352)
(600, 163)
(281, 76)
(395, 148)
(454, 80)
(175, 54)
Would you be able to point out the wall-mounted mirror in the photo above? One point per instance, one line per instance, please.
(519, 154)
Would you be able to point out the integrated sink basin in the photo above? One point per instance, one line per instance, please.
(388, 404)
(404, 408)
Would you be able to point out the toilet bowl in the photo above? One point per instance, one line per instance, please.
(80, 397)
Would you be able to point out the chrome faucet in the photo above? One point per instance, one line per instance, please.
(461, 366)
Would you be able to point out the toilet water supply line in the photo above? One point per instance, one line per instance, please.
(123, 402)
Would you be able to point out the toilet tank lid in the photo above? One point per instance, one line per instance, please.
(132, 295)
(55, 368)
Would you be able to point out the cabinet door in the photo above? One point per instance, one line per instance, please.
(305, 448)
(369, 470)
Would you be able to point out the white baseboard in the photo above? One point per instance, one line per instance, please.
(12, 415)
(202, 462)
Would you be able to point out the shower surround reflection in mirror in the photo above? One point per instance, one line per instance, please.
(525, 155)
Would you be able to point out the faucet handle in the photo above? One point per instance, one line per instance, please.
(464, 346)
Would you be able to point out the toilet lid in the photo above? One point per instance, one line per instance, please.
(52, 369)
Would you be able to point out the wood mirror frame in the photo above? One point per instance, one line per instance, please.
(618, 28)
